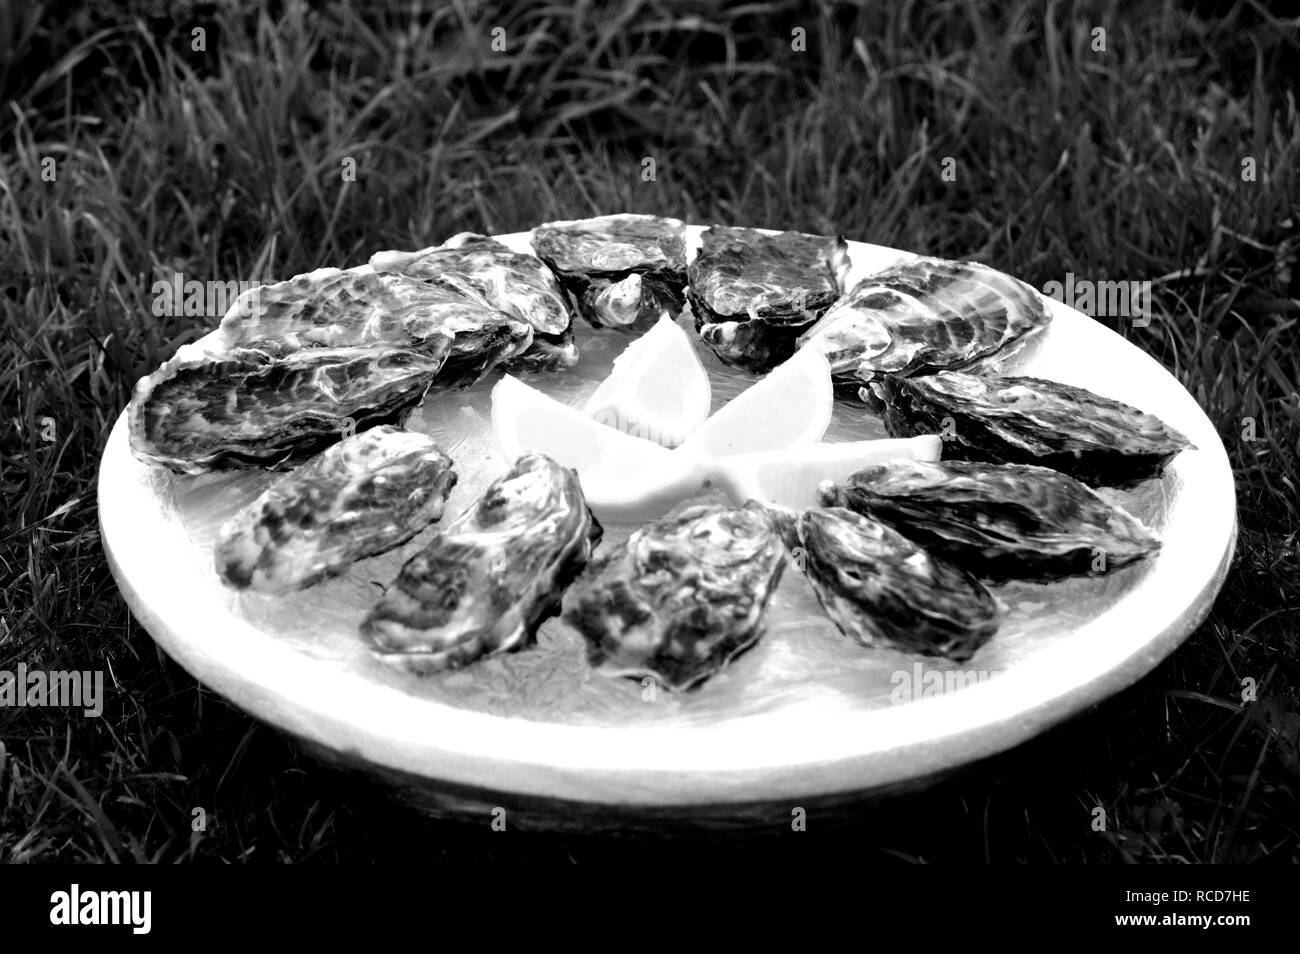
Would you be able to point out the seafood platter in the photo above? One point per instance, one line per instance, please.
(627, 522)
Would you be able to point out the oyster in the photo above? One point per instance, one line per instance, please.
(331, 308)
(925, 315)
(366, 494)
(622, 270)
(684, 597)
(1031, 421)
(513, 282)
(485, 583)
(1000, 521)
(878, 586)
(754, 293)
(247, 409)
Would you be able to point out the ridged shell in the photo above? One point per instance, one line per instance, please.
(365, 495)
(925, 315)
(622, 270)
(247, 409)
(999, 521)
(485, 583)
(879, 587)
(1030, 421)
(683, 598)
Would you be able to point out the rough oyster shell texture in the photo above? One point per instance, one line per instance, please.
(753, 293)
(683, 598)
(1000, 521)
(247, 409)
(881, 588)
(513, 282)
(364, 495)
(359, 307)
(623, 271)
(925, 315)
(485, 583)
(1031, 421)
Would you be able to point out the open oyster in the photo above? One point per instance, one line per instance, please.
(332, 308)
(485, 583)
(247, 409)
(512, 282)
(622, 270)
(754, 293)
(363, 496)
(925, 315)
(684, 597)
(1000, 521)
(1031, 421)
(878, 587)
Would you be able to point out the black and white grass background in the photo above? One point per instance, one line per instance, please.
(1059, 141)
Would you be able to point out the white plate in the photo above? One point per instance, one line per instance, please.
(806, 715)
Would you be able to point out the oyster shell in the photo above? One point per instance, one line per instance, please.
(513, 282)
(684, 597)
(925, 315)
(331, 308)
(1031, 421)
(247, 409)
(485, 583)
(754, 293)
(365, 495)
(622, 270)
(879, 587)
(1000, 521)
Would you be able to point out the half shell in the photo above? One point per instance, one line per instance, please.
(999, 521)
(683, 598)
(365, 495)
(247, 409)
(881, 588)
(754, 293)
(623, 271)
(925, 315)
(1030, 421)
(485, 583)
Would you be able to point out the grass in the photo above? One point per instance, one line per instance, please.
(224, 164)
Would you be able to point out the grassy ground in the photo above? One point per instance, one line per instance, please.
(224, 163)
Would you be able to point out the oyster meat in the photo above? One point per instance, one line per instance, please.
(999, 521)
(684, 597)
(1030, 421)
(623, 271)
(753, 294)
(485, 583)
(332, 308)
(365, 495)
(879, 587)
(925, 315)
(513, 282)
(247, 409)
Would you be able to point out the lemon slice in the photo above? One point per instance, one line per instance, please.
(791, 407)
(790, 477)
(658, 389)
(622, 477)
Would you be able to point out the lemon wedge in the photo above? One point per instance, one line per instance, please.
(790, 407)
(790, 477)
(622, 477)
(658, 389)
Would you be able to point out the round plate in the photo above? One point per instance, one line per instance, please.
(806, 715)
